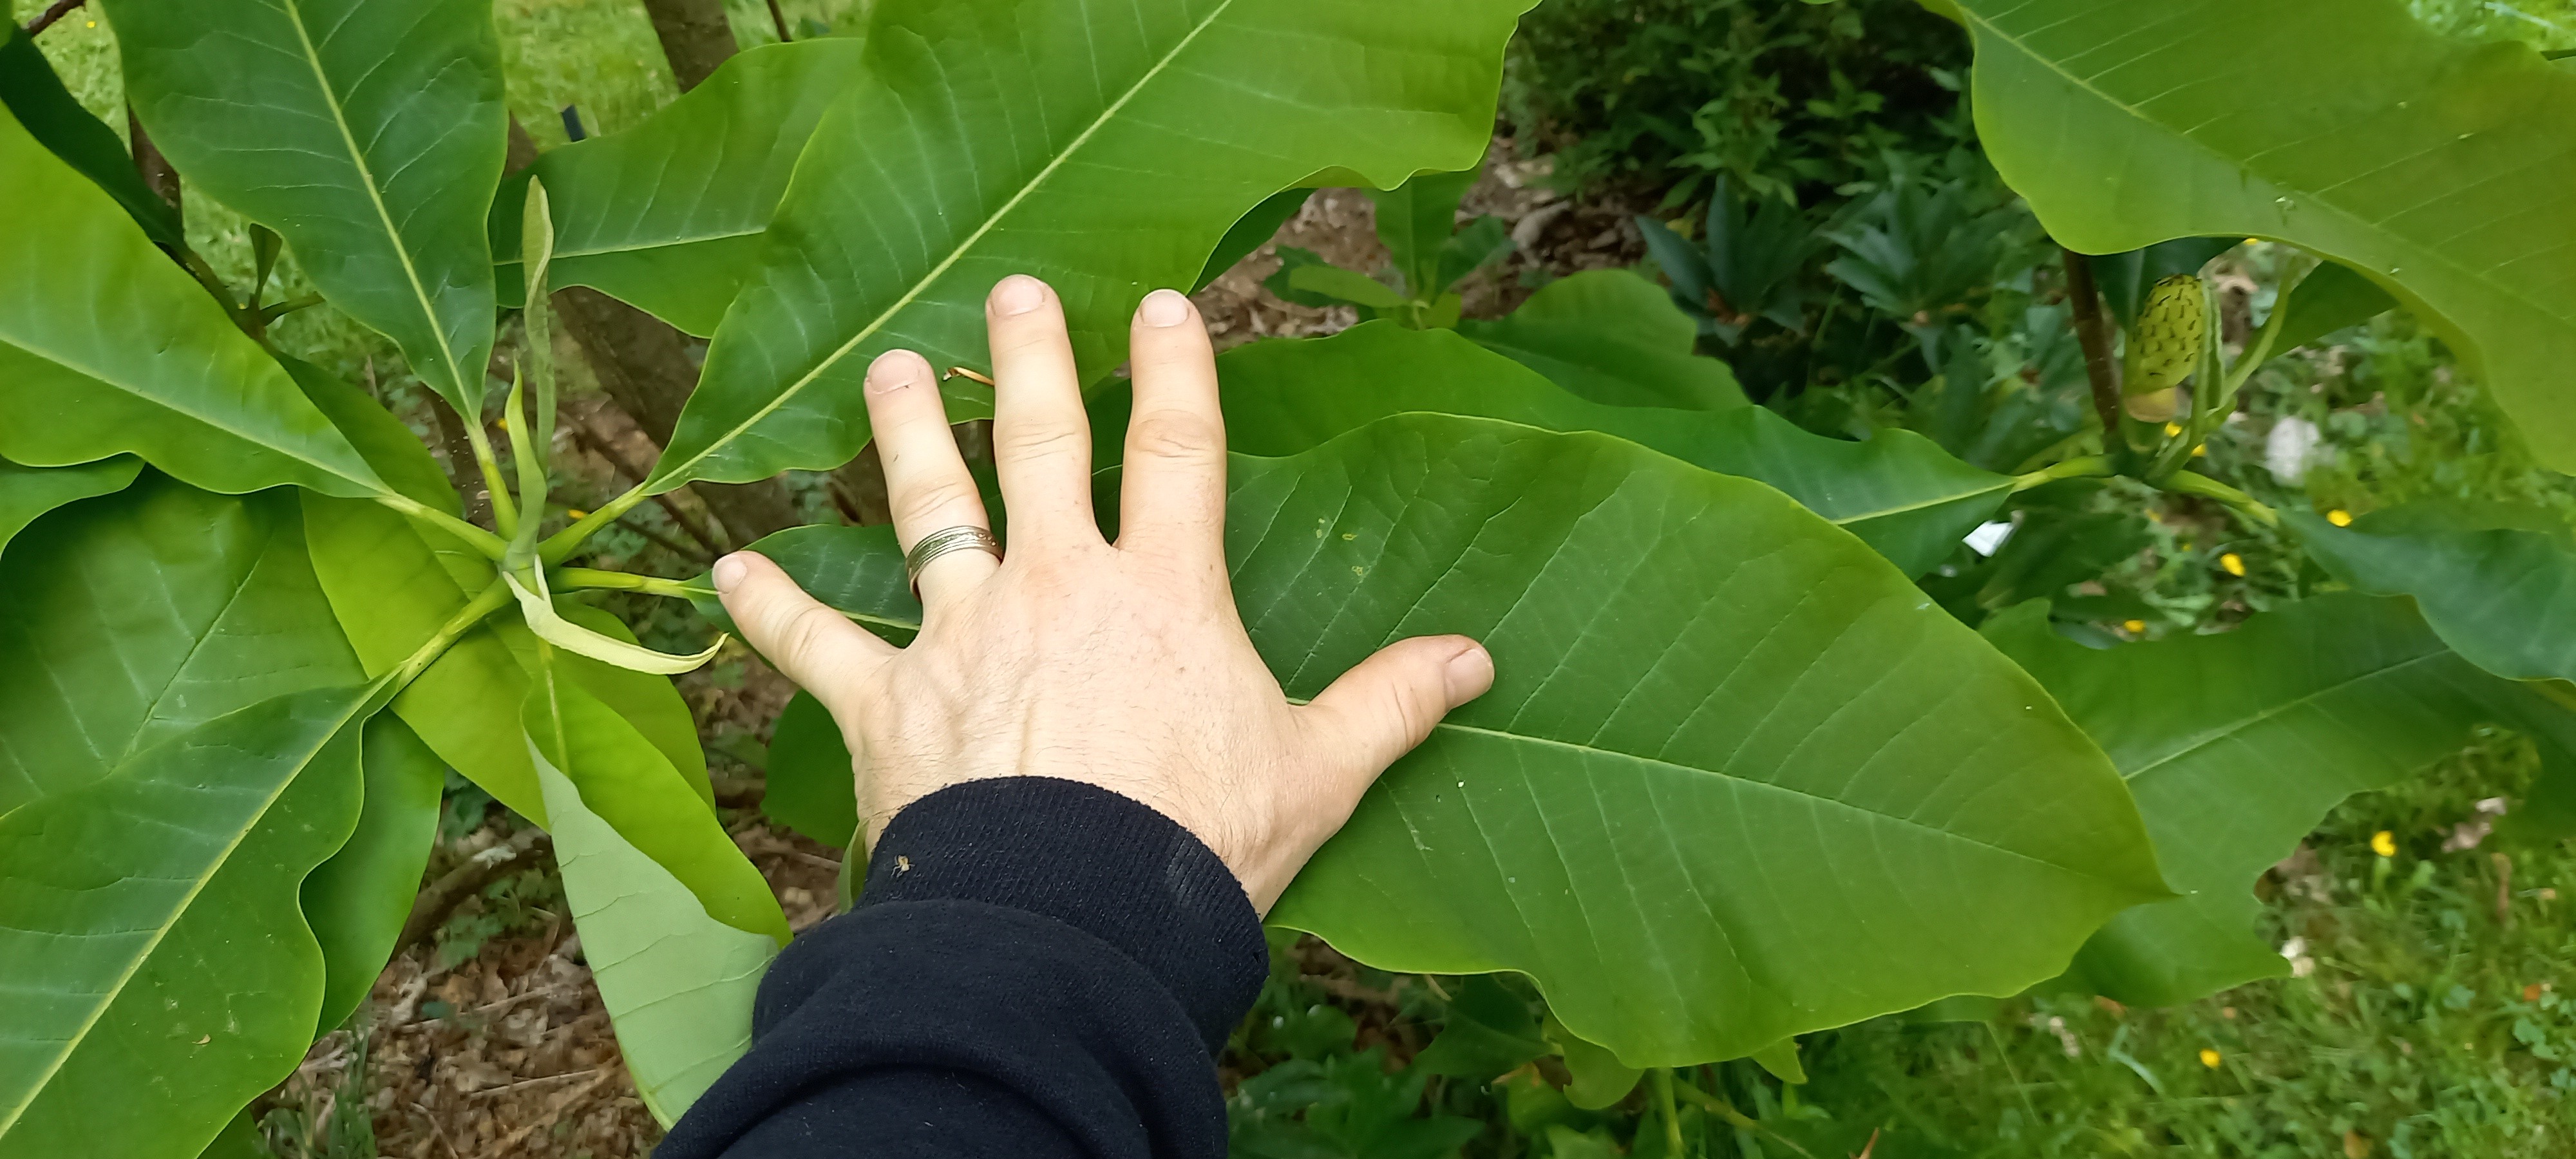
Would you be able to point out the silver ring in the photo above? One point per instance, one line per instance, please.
(963, 537)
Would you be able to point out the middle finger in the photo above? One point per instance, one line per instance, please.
(1041, 439)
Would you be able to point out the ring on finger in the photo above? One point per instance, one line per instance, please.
(963, 537)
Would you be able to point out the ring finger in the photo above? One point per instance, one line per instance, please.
(927, 483)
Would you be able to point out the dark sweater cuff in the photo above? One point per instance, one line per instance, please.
(1094, 860)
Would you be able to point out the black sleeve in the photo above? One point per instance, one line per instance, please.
(1036, 968)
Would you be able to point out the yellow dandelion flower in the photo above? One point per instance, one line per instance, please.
(2209, 1057)
(2339, 517)
(2234, 563)
(2172, 429)
(2135, 627)
(576, 513)
(2384, 843)
(2201, 451)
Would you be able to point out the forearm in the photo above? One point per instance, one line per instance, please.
(1035, 968)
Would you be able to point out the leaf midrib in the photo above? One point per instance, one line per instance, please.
(2434, 254)
(1592, 750)
(107, 997)
(2240, 726)
(375, 197)
(642, 247)
(680, 471)
(253, 438)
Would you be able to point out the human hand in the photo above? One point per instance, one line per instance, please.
(1120, 665)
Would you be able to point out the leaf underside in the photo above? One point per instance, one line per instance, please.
(1732, 765)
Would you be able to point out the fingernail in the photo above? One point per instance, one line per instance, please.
(1018, 294)
(1469, 674)
(1164, 308)
(893, 371)
(729, 571)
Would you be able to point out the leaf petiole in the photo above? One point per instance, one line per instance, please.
(2193, 483)
(583, 578)
(562, 543)
(493, 598)
(483, 541)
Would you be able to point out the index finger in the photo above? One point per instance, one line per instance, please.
(1172, 493)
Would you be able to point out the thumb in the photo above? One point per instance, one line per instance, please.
(1386, 705)
(807, 641)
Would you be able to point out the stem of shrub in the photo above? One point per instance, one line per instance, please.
(481, 540)
(2084, 298)
(580, 578)
(1662, 1078)
(493, 599)
(561, 543)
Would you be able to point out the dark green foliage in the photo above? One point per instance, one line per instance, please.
(1795, 101)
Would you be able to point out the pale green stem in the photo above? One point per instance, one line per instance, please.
(483, 541)
(493, 599)
(504, 512)
(2191, 483)
(530, 455)
(1662, 1077)
(2082, 467)
(562, 543)
(579, 578)
(1727, 1113)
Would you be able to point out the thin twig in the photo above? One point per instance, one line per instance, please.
(437, 1130)
(552, 1078)
(60, 9)
(779, 18)
(554, 1110)
(464, 881)
(2084, 298)
(459, 452)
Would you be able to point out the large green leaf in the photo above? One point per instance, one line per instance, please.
(396, 453)
(2498, 583)
(27, 492)
(812, 787)
(2432, 164)
(2236, 745)
(36, 96)
(1899, 491)
(367, 133)
(358, 900)
(856, 568)
(678, 984)
(1611, 337)
(667, 216)
(107, 346)
(393, 584)
(1733, 764)
(137, 616)
(630, 784)
(160, 974)
(1104, 145)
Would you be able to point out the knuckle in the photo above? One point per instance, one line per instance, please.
(806, 632)
(930, 500)
(1176, 435)
(1046, 441)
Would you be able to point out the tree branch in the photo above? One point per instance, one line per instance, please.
(60, 9)
(2084, 298)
